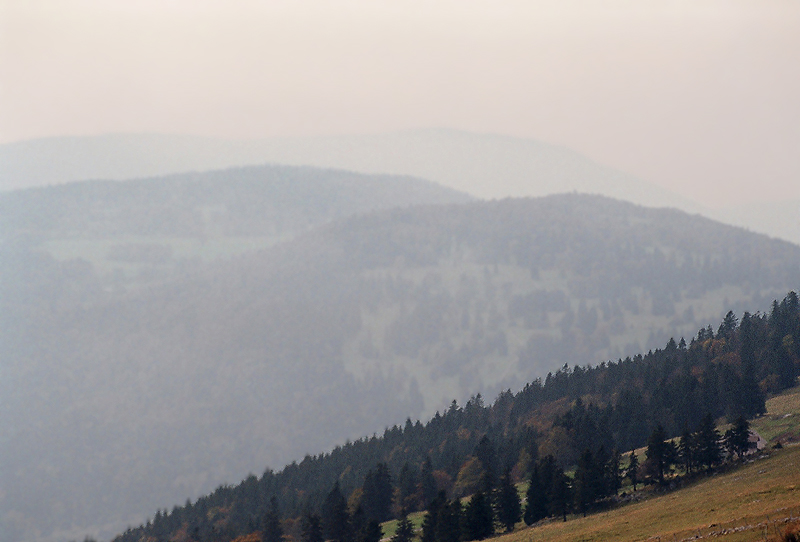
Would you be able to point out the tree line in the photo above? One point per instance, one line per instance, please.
(578, 419)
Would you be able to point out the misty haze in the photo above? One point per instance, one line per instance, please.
(364, 271)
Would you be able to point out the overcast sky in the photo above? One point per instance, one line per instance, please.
(699, 96)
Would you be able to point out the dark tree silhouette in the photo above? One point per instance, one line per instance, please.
(535, 498)
(509, 508)
(273, 532)
(478, 518)
(335, 518)
(632, 473)
(405, 530)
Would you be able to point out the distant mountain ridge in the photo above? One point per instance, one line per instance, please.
(144, 397)
(483, 165)
(486, 166)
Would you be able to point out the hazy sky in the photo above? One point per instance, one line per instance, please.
(700, 96)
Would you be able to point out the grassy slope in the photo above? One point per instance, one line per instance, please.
(740, 505)
(735, 506)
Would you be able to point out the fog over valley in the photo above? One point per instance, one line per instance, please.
(269, 270)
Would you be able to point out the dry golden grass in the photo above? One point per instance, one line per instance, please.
(754, 502)
(782, 421)
(735, 506)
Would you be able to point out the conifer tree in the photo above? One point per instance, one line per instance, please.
(335, 518)
(430, 521)
(311, 528)
(407, 495)
(370, 532)
(535, 499)
(686, 451)
(478, 518)
(614, 473)
(405, 530)
(707, 442)
(632, 472)
(273, 532)
(737, 438)
(427, 483)
(509, 508)
(448, 522)
(486, 454)
(660, 453)
(585, 482)
(377, 496)
(559, 495)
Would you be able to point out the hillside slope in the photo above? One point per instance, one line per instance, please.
(557, 422)
(145, 397)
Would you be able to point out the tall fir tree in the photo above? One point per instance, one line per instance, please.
(660, 453)
(687, 451)
(585, 482)
(559, 494)
(311, 528)
(405, 529)
(371, 531)
(335, 518)
(487, 455)
(478, 518)
(509, 507)
(377, 493)
(448, 522)
(632, 472)
(535, 498)
(737, 438)
(273, 532)
(428, 483)
(707, 440)
(430, 521)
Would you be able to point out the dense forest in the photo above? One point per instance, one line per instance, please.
(163, 388)
(579, 418)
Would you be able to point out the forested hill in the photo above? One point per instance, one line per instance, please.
(147, 230)
(723, 373)
(144, 396)
(242, 201)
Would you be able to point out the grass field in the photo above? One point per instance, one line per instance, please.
(782, 420)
